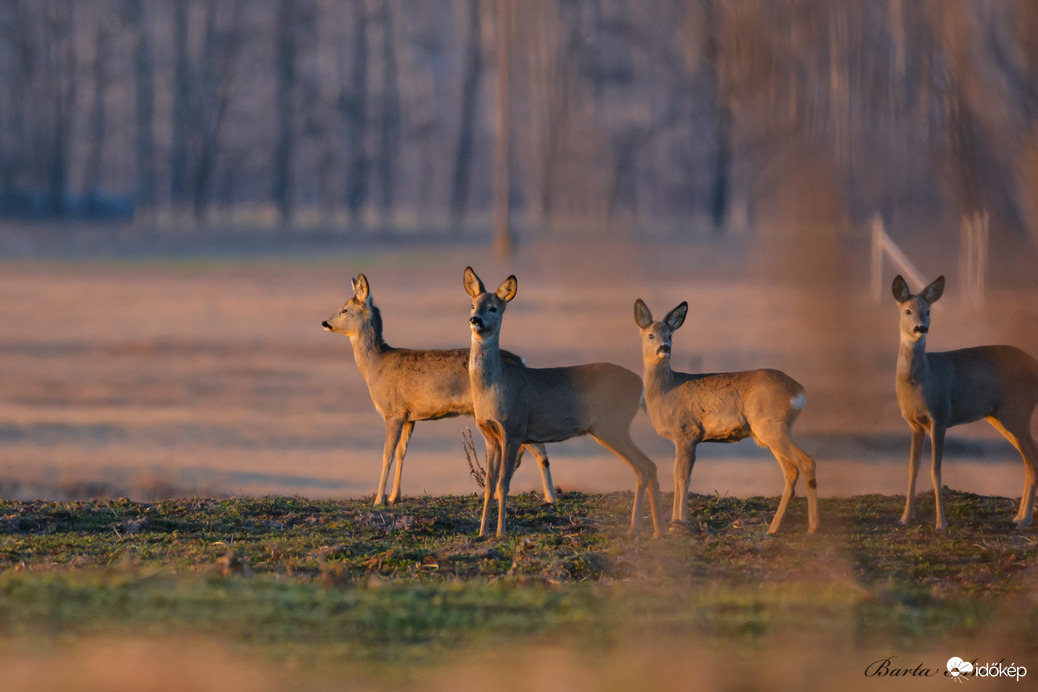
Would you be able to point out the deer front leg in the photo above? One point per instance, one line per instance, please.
(490, 481)
(914, 456)
(937, 442)
(684, 460)
(504, 481)
(394, 427)
(401, 450)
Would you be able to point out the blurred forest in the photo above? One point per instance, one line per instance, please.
(675, 116)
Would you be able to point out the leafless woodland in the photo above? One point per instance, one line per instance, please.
(671, 116)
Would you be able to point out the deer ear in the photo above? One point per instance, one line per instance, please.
(934, 291)
(473, 284)
(642, 314)
(676, 317)
(900, 289)
(360, 288)
(508, 288)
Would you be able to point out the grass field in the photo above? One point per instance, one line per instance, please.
(264, 593)
(209, 376)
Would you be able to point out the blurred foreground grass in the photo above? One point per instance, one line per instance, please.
(274, 592)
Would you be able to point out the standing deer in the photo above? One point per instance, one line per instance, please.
(938, 390)
(514, 404)
(408, 386)
(723, 407)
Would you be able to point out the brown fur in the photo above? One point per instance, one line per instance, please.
(409, 385)
(722, 407)
(514, 404)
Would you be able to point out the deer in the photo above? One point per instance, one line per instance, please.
(721, 407)
(514, 405)
(408, 385)
(936, 391)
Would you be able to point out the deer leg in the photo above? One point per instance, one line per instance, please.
(401, 450)
(541, 455)
(490, 482)
(914, 455)
(793, 461)
(508, 458)
(937, 442)
(684, 460)
(394, 427)
(646, 480)
(1030, 456)
(789, 474)
(1025, 444)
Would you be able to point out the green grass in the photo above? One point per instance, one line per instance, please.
(333, 581)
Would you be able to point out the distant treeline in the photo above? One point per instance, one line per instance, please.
(672, 113)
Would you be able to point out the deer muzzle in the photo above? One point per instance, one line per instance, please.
(326, 325)
(476, 322)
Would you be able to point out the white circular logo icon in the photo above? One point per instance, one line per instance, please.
(957, 667)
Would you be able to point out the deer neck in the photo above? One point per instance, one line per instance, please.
(658, 376)
(485, 363)
(912, 366)
(368, 348)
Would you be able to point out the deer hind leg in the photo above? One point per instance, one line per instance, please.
(684, 460)
(793, 460)
(937, 442)
(394, 428)
(914, 455)
(623, 446)
(541, 455)
(1020, 437)
(401, 450)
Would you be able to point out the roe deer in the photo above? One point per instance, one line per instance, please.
(938, 390)
(408, 385)
(723, 407)
(514, 404)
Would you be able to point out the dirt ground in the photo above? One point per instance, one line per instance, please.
(210, 374)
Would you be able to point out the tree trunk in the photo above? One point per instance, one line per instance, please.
(503, 241)
(144, 77)
(467, 121)
(390, 121)
(354, 106)
(284, 146)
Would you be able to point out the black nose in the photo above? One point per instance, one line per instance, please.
(476, 322)
(326, 325)
(921, 329)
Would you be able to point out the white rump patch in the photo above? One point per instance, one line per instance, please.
(799, 401)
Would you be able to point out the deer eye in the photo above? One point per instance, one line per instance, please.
(493, 309)
(908, 312)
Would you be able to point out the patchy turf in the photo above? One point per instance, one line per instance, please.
(343, 581)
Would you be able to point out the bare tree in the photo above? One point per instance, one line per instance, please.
(389, 130)
(62, 78)
(285, 138)
(473, 74)
(353, 105)
(503, 241)
(104, 31)
(136, 20)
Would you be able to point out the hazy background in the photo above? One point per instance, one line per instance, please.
(186, 187)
